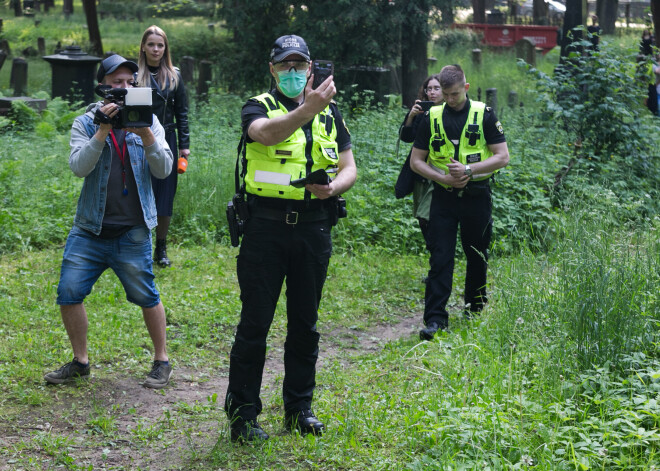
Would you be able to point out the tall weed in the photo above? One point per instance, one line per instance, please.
(590, 300)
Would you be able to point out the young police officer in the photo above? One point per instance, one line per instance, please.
(459, 146)
(292, 131)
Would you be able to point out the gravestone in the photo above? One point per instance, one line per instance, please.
(491, 98)
(37, 104)
(513, 99)
(18, 77)
(205, 76)
(476, 57)
(187, 69)
(74, 73)
(4, 46)
(526, 50)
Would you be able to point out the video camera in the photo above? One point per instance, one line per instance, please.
(134, 107)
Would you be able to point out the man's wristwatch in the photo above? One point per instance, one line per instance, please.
(468, 171)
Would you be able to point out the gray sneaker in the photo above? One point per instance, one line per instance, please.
(159, 375)
(68, 373)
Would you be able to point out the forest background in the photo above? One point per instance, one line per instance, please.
(561, 371)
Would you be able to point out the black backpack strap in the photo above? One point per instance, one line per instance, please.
(239, 174)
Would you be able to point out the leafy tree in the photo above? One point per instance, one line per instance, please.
(350, 32)
(598, 103)
(254, 25)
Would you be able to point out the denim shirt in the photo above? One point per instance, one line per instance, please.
(90, 159)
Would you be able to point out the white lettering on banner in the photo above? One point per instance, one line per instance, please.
(537, 39)
(275, 178)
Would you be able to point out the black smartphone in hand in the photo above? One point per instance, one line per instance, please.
(319, 176)
(426, 105)
(321, 70)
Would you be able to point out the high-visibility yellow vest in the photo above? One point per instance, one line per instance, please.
(472, 147)
(292, 158)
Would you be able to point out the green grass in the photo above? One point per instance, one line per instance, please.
(491, 394)
(562, 370)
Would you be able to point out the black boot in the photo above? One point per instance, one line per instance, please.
(160, 254)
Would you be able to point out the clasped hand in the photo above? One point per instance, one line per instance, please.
(457, 173)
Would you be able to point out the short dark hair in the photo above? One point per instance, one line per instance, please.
(450, 75)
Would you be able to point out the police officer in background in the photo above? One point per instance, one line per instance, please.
(459, 146)
(292, 131)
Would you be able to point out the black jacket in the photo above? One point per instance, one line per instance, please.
(171, 108)
(652, 100)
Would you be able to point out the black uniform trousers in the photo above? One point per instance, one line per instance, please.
(471, 209)
(272, 252)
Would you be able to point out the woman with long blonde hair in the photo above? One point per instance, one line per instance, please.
(170, 105)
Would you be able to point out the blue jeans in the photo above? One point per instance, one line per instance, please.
(86, 257)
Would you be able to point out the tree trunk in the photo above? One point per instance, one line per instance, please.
(479, 10)
(447, 12)
(574, 17)
(540, 12)
(93, 27)
(608, 16)
(414, 54)
(655, 13)
(18, 10)
(67, 6)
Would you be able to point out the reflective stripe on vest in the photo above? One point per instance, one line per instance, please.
(270, 168)
(472, 145)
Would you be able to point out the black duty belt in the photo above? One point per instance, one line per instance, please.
(288, 211)
(472, 188)
(290, 217)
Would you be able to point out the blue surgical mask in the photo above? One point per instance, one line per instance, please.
(292, 82)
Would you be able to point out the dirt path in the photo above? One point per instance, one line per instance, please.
(132, 405)
(187, 387)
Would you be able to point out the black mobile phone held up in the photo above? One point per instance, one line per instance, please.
(426, 105)
(322, 70)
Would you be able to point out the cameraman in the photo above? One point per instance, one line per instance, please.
(291, 131)
(113, 222)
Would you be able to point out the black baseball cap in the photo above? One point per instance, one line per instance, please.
(285, 46)
(112, 63)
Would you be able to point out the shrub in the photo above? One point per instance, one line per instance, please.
(22, 117)
(179, 8)
(451, 38)
(595, 99)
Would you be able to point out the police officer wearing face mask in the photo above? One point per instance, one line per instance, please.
(290, 132)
